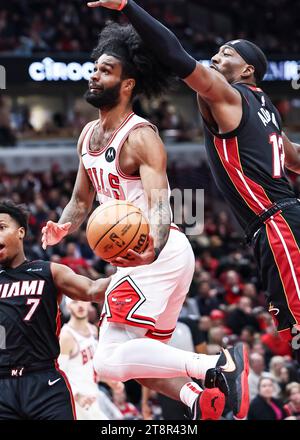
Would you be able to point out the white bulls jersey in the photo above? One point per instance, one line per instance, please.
(104, 170)
(80, 365)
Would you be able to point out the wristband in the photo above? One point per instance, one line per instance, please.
(122, 5)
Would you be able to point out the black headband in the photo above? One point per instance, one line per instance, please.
(252, 54)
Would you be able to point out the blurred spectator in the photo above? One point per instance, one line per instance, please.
(292, 407)
(74, 260)
(206, 298)
(257, 367)
(128, 410)
(264, 406)
(242, 316)
(7, 137)
(248, 335)
(74, 27)
(233, 286)
(189, 308)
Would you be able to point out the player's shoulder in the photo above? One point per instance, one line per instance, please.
(36, 266)
(84, 132)
(66, 334)
(141, 134)
(67, 340)
(93, 329)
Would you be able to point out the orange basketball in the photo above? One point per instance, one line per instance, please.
(115, 227)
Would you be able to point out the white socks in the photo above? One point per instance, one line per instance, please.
(189, 393)
(198, 364)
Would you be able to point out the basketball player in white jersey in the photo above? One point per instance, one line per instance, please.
(78, 343)
(122, 157)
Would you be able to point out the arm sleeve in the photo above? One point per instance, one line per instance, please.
(160, 40)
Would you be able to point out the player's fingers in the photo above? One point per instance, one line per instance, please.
(119, 262)
(94, 4)
(132, 253)
(150, 240)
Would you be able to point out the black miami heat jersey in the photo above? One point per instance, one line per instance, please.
(29, 315)
(248, 163)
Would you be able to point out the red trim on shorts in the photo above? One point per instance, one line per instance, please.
(126, 321)
(58, 322)
(287, 258)
(160, 335)
(285, 335)
(69, 388)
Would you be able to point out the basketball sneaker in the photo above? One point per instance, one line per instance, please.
(209, 405)
(231, 377)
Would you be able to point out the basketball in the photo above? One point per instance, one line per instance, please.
(115, 227)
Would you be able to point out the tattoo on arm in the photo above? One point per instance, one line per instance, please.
(76, 211)
(160, 220)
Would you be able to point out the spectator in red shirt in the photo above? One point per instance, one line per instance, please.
(77, 263)
(209, 263)
(233, 286)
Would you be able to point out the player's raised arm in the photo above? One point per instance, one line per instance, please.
(207, 82)
(292, 154)
(76, 286)
(76, 210)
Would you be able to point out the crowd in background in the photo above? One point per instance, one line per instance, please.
(31, 26)
(225, 303)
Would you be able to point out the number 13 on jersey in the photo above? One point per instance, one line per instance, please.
(278, 155)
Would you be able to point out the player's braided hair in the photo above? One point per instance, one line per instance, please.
(17, 212)
(123, 42)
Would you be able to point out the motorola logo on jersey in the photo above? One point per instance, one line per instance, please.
(110, 155)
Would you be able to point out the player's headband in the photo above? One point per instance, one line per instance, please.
(252, 54)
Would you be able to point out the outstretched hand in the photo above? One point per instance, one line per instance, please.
(134, 259)
(53, 233)
(109, 4)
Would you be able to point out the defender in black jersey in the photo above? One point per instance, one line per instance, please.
(31, 384)
(247, 153)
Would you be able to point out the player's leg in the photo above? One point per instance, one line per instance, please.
(202, 404)
(277, 254)
(48, 396)
(9, 404)
(124, 352)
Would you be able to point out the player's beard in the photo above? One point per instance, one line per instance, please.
(104, 99)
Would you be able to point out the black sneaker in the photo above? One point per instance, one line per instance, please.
(209, 405)
(231, 376)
